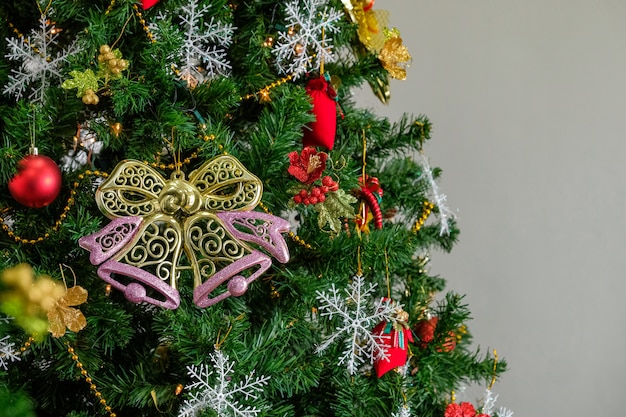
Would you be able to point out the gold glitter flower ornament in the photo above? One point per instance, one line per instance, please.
(63, 316)
(394, 55)
(31, 299)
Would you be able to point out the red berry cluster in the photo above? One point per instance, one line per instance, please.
(316, 194)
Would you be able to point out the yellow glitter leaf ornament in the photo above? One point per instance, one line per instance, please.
(63, 316)
(82, 81)
(394, 55)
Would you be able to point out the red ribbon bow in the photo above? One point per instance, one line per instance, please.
(372, 193)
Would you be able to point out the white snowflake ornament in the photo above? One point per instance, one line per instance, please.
(352, 306)
(307, 43)
(224, 395)
(7, 353)
(203, 53)
(41, 61)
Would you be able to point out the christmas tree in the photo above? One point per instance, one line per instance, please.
(198, 220)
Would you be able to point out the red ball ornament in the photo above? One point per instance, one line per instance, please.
(425, 331)
(146, 4)
(37, 182)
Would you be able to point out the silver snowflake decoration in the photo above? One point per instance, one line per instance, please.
(223, 396)
(307, 43)
(352, 306)
(441, 200)
(7, 353)
(40, 61)
(504, 412)
(489, 404)
(403, 411)
(204, 43)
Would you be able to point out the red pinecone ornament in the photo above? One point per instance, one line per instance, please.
(322, 131)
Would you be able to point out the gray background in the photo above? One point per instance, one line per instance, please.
(528, 101)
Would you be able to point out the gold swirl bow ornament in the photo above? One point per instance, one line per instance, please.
(204, 224)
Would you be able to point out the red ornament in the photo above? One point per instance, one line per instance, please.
(448, 344)
(146, 4)
(395, 339)
(425, 332)
(37, 182)
(322, 131)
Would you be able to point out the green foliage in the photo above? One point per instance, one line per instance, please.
(15, 404)
(137, 355)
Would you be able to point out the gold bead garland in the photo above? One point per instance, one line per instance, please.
(62, 216)
(264, 93)
(20, 35)
(83, 372)
(427, 208)
(142, 21)
(139, 15)
(111, 6)
(89, 380)
(71, 201)
(292, 235)
(186, 161)
(26, 344)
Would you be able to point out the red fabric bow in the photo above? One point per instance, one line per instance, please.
(146, 4)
